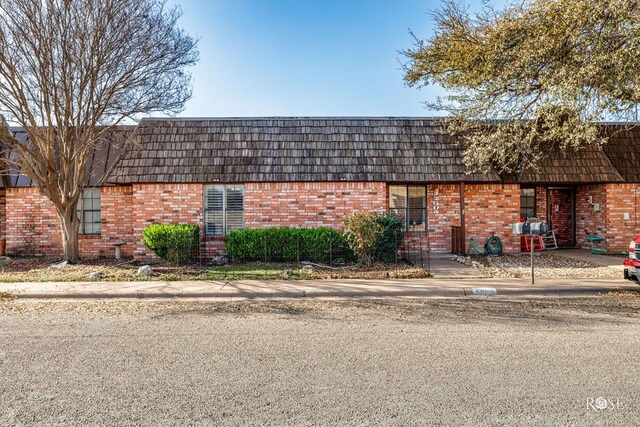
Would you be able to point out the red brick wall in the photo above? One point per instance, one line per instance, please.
(315, 204)
(588, 221)
(3, 213)
(491, 209)
(32, 226)
(541, 203)
(561, 215)
(621, 199)
(167, 204)
(116, 225)
(310, 204)
(443, 211)
(127, 210)
(164, 204)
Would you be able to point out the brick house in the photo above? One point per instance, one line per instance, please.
(225, 174)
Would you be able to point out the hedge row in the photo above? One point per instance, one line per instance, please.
(179, 243)
(321, 245)
(172, 242)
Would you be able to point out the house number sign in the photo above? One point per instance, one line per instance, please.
(435, 200)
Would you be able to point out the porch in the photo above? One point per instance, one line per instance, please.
(595, 216)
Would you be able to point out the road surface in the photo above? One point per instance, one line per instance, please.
(462, 362)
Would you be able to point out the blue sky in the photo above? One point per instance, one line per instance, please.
(304, 58)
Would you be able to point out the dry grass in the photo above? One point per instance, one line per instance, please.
(48, 270)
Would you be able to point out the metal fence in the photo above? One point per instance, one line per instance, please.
(297, 250)
(413, 248)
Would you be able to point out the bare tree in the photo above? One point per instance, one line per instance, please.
(70, 71)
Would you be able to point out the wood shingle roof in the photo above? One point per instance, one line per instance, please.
(586, 166)
(332, 149)
(623, 150)
(294, 149)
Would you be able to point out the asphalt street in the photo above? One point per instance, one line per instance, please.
(459, 362)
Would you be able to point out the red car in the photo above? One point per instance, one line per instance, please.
(632, 272)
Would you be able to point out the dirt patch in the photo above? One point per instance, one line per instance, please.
(6, 296)
(624, 294)
(50, 269)
(110, 270)
(579, 310)
(380, 271)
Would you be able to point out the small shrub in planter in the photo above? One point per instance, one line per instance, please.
(172, 242)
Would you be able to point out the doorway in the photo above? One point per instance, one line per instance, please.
(561, 212)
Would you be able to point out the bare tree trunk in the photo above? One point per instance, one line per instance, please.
(69, 224)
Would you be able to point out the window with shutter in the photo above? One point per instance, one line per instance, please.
(224, 209)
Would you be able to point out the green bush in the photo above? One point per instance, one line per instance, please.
(362, 235)
(172, 242)
(286, 244)
(390, 239)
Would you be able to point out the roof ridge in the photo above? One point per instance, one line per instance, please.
(438, 118)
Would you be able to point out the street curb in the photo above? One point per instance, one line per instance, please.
(432, 293)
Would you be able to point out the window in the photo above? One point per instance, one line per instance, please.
(223, 209)
(527, 203)
(409, 203)
(89, 208)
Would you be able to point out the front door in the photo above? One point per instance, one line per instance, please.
(561, 211)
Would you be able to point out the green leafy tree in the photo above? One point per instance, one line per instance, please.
(531, 77)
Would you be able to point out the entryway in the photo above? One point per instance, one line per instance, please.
(561, 211)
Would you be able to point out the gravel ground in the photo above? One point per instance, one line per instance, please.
(547, 265)
(462, 362)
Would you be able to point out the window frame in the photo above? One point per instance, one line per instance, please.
(224, 211)
(82, 211)
(407, 227)
(535, 204)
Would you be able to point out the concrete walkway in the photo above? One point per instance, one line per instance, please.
(443, 267)
(313, 288)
